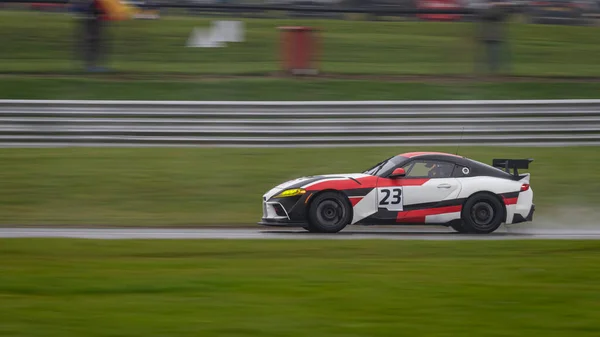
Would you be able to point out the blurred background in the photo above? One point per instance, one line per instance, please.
(373, 38)
(71, 163)
(228, 50)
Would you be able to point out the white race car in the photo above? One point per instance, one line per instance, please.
(411, 188)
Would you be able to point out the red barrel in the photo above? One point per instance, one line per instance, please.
(299, 50)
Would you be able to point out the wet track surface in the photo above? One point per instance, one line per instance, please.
(350, 233)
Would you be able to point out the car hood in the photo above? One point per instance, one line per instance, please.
(304, 182)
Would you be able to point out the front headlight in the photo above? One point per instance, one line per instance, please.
(291, 193)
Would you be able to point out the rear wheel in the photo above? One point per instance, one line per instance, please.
(329, 212)
(482, 214)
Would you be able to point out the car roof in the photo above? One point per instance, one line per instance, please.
(478, 168)
(419, 154)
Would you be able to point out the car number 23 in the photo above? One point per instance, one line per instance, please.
(390, 198)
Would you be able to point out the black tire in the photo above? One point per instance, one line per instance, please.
(329, 212)
(482, 214)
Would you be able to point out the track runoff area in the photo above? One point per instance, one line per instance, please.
(349, 233)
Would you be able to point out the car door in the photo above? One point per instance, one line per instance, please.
(427, 184)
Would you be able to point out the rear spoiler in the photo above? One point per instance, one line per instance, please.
(514, 164)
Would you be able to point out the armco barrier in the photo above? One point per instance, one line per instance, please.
(28, 123)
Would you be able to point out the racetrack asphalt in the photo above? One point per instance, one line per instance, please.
(350, 233)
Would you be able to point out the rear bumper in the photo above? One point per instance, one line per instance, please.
(518, 218)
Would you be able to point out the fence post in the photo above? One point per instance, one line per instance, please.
(493, 36)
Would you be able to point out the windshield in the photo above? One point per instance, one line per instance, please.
(384, 165)
(375, 168)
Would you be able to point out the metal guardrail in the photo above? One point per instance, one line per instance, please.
(25, 123)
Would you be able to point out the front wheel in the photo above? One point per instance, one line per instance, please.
(329, 212)
(482, 214)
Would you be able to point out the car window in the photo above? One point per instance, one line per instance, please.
(428, 169)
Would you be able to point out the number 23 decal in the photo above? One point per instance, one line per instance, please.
(390, 198)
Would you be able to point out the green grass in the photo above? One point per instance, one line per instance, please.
(63, 288)
(200, 186)
(44, 42)
(282, 89)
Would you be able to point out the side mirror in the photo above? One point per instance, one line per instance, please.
(398, 173)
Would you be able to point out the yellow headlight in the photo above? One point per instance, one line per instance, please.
(291, 193)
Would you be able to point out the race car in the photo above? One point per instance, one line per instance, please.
(416, 188)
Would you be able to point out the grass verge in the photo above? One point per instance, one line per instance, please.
(47, 43)
(208, 288)
(282, 89)
(201, 186)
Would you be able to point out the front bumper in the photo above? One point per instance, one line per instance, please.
(281, 223)
(288, 212)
